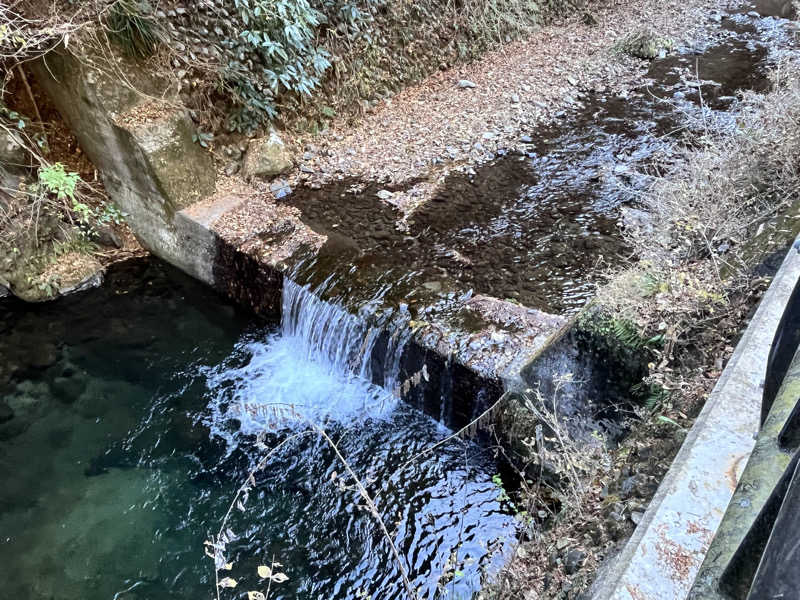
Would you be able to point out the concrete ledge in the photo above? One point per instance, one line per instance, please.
(663, 556)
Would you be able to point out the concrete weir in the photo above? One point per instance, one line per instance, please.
(143, 146)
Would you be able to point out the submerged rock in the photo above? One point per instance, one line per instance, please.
(6, 412)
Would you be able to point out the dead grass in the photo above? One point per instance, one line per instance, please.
(715, 216)
(730, 185)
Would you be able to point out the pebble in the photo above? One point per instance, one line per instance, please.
(526, 139)
(573, 561)
(514, 99)
(280, 188)
(306, 169)
(384, 194)
(465, 84)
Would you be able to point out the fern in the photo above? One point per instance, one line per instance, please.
(627, 333)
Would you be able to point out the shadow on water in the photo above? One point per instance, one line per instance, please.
(120, 453)
(540, 227)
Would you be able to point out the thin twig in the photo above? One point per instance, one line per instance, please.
(30, 93)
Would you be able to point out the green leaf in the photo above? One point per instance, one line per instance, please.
(669, 421)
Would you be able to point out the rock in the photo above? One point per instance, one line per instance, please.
(68, 389)
(91, 277)
(308, 155)
(280, 188)
(42, 356)
(6, 412)
(232, 169)
(465, 84)
(588, 19)
(266, 157)
(106, 236)
(306, 169)
(572, 81)
(645, 44)
(514, 98)
(573, 561)
(433, 286)
(13, 428)
(635, 485)
(13, 161)
(233, 152)
(12, 151)
(385, 195)
(526, 139)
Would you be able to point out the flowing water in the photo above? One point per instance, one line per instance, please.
(540, 227)
(128, 419)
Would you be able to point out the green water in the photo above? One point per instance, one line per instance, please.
(118, 461)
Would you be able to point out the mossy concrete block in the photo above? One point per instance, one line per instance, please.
(267, 157)
(141, 142)
(182, 169)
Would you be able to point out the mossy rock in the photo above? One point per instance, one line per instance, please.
(645, 44)
(267, 157)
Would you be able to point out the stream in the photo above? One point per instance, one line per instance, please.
(131, 414)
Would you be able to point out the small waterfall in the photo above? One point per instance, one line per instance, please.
(325, 363)
(363, 344)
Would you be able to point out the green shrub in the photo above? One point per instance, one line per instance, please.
(281, 36)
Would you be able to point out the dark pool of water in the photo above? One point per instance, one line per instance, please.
(540, 227)
(120, 451)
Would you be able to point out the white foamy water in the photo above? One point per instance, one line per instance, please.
(318, 368)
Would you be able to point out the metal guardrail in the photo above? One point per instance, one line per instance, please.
(755, 554)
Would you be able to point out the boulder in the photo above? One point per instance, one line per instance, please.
(267, 157)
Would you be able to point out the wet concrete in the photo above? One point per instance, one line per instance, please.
(538, 227)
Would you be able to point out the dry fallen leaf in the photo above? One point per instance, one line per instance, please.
(227, 583)
(264, 571)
